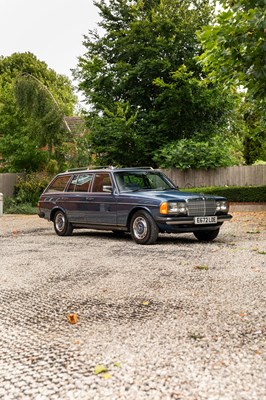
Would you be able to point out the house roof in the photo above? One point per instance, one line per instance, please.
(75, 125)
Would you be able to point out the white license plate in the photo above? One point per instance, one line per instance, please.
(205, 220)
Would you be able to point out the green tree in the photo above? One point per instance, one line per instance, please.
(30, 118)
(144, 62)
(235, 46)
(199, 153)
(235, 56)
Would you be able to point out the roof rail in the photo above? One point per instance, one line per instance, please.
(138, 168)
(89, 168)
(104, 167)
(77, 169)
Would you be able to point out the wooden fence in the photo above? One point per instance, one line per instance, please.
(250, 175)
(8, 182)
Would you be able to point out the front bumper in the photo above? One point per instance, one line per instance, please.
(187, 224)
(190, 220)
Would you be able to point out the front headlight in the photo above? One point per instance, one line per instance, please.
(222, 206)
(173, 208)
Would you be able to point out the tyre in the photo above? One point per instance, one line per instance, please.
(61, 225)
(206, 236)
(143, 228)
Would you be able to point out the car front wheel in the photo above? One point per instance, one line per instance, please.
(206, 236)
(143, 228)
(61, 225)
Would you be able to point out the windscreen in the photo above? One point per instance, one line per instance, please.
(142, 180)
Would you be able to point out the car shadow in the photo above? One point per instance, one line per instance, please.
(163, 239)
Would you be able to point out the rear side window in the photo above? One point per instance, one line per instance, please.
(80, 183)
(59, 184)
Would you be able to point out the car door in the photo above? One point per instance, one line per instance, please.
(77, 197)
(102, 201)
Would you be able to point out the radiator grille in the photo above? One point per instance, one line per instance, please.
(201, 207)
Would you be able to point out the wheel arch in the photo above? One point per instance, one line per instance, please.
(54, 211)
(133, 211)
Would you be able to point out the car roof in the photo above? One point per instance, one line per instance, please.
(105, 168)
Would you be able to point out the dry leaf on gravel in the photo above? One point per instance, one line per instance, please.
(72, 318)
(100, 368)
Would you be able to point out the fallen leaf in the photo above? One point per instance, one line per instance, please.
(145, 303)
(204, 267)
(72, 318)
(107, 376)
(117, 364)
(243, 314)
(100, 368)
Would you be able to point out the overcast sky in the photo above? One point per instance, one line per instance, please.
(50, 29)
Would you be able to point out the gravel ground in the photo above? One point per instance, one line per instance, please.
(177, 320)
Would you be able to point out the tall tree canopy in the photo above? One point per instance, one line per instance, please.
(33, 101)
(235, 55)
(142, 82)
(235, 50)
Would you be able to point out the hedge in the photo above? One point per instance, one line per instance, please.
(234, 193)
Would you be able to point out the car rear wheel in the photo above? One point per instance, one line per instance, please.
(143, 228)
(206, 236)
(61, 225)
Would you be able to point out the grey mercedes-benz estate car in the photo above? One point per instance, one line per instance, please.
(142, 201)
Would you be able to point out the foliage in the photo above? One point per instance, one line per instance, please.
(255, 133)
(21, 154)
(52, 168)
(235, 55)
(198, 153)
(143, 66)
(235, 193)
(77, 153)
(11, 206)
(115, 137)
(29, 188)
(33, 118)
(259, 162)
(235, 46)
(46, 117)
(26, 194)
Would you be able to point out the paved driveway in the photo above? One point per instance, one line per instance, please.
(176, 320)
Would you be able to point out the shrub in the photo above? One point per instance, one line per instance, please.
(29, 189)
(235, 193)
(198, 153)
(12, 207)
